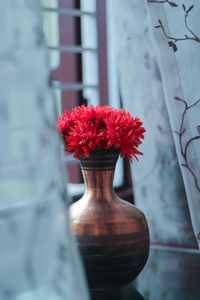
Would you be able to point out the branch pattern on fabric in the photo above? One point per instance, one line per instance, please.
(173, 40)
(88, 128)
(180, 133)
(163, 1)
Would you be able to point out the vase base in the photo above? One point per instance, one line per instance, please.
(127, 292)
(112, 294)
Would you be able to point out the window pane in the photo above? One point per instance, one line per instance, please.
(51, 31)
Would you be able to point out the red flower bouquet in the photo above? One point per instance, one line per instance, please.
(87, 128)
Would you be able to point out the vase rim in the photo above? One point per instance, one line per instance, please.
(100, 158)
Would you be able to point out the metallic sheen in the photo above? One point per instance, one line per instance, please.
(112, 234)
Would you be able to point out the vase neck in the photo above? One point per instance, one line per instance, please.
(98, 172)
(99, 183)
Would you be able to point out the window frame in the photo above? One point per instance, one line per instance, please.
(72, 62)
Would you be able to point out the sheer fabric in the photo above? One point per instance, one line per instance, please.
(146, 87)
(177, 34)
(38, 256)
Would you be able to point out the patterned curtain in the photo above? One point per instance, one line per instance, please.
(177, 34)
(158, 64)
(38, 257)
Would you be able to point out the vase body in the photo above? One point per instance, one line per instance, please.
(112, 234)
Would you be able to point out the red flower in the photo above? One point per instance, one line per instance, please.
(124, 133)
(87, 128)
(83, 137)
(65, 123)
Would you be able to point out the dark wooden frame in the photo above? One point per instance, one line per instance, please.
(125, 191)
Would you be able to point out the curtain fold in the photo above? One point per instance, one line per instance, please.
(158, 185)
(38, 256)
(177, 35)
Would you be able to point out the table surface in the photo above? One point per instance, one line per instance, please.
(170, 274)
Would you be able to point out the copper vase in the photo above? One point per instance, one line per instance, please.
(112, 234)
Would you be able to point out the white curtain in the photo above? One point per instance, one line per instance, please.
(38, 257)
(177, 35)
(158, 73)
